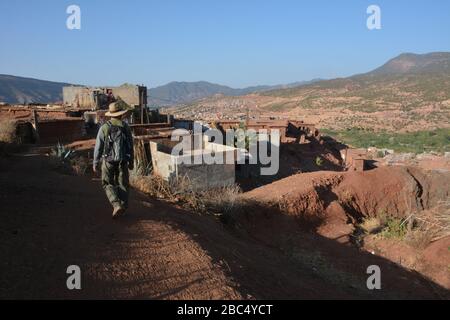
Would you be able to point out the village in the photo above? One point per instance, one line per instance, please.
(83, 112)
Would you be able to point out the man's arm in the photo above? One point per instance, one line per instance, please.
(99, 147)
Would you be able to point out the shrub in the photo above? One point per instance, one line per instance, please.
(418, 230)
(380, 154)
(67, 162)
(61, 151)
(8, 131)
(394, 228)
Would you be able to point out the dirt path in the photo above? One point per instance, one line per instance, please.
(49, 221)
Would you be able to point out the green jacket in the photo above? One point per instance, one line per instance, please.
(103, 134)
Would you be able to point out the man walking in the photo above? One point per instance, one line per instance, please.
(114, 145)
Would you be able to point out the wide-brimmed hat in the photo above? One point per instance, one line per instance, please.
(116, 109)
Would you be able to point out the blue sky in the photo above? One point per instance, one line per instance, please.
(236, 43)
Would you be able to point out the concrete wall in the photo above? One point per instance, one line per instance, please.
(202, 176)
(130, 94)
(207, 176)
(163, 163)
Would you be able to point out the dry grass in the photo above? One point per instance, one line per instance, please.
(418, 230)
(218, 201)
(79, 165)
(420, 238)
(224, 200)
(435, 222)
(8, 131)
(152, 185)
(346, 196)
(372, 225)
(142, 164)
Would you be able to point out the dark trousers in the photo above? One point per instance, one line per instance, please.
(115, 182)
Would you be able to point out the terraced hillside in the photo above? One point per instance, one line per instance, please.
(408, 93)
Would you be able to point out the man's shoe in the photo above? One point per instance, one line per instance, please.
(117, 211)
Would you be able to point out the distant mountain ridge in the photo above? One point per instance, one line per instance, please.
(28, 90)
(22, 90)
(433, 64)
(175, 93)
(412, 63)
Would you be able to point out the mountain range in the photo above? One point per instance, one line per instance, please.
(175, 93)
(23, 90)
(408, 93)
(415, 63)
(26, 90)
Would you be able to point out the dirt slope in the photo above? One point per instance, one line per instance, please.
(394, 190)
(50, 221)
(329, 205)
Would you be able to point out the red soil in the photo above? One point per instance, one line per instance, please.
(50, 221)
(331, 204)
